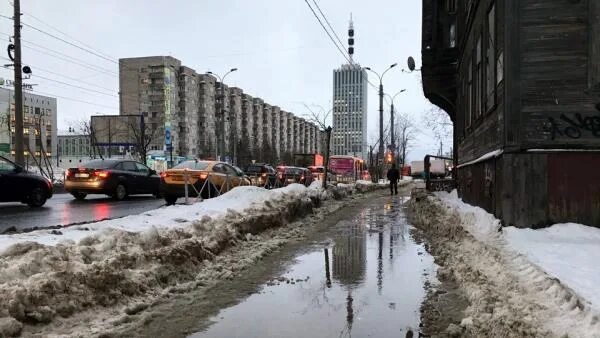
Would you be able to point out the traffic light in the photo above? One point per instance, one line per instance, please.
(389, 158)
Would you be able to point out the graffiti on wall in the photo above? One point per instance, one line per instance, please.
(574, 126)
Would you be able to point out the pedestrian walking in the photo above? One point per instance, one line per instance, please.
(393, 175)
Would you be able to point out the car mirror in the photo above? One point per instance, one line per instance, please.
(152, 172)
(18, 169)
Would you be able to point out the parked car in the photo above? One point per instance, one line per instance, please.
(288, 175)
(262, 175)
(365, 175)
(204, 178)
(116, 178)
(19, 185)
(318, 172)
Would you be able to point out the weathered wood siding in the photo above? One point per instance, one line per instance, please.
(557, 109)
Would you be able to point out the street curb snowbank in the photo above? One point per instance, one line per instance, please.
(42, 276)
(509, 295)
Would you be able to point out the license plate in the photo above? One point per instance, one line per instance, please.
(82, 175)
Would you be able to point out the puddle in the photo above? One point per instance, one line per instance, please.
(366, 281)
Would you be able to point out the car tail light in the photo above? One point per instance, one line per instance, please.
(264, 175)
(101, 174)
(68, 173)
(203, 176)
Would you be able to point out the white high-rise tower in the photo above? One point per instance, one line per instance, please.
(349, 136)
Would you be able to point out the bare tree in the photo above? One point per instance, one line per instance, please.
(321, 119)
(143, 135)
(406, 134)
(439, 123)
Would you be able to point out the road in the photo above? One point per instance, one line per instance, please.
(63, 210)
(360, 275)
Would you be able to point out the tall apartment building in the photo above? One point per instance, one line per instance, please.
(151, 85)
(349, 135)
(39, 124)
(186, 108)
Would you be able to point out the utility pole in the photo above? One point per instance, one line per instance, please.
(392, 130)
(19, 156)
(381, 146)
(221, 126)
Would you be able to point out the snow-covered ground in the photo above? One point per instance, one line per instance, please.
(557, 265)
(47, 274)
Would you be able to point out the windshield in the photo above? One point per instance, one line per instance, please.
(255, 169)
(192, 165)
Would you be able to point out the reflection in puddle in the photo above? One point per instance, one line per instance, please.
(367, 283)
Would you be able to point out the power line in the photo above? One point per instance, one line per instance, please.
(65, 34)
(328, 24)
(74, 86)
(69, 43)
(326, 31)
(75, 100)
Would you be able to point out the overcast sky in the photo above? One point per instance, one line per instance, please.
(282, 53)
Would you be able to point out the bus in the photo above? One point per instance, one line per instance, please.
(346, 168)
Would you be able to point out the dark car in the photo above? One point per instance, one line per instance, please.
(18, 185)
(116, 178)
(262, 175)
(288, 175)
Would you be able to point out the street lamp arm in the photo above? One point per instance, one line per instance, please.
(374, 72)
(390, 67)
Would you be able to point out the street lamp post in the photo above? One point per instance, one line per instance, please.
(381, 149)
(221, 128)
(392, 135)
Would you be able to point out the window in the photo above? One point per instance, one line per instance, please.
(478, 79)
(490, 61)
(451, 6)
(6, 166)
(469, 98)
(129, 166)
(142, 169)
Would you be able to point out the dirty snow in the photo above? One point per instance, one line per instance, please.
(176, 216)
(558, 266)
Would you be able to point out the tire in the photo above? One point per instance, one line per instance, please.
(79, 195)
(170, 199)
(120, 192)
(37, 198)
(157, 194)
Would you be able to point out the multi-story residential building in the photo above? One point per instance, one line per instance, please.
(235, 120)
(39, 125)
(207, 123)
(192, 111)
(248, 121)
(150, 86)
(275, 131)
(189, 106)
(521, 82)
(267, 126)
(257, 113)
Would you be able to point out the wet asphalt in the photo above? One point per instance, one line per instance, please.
(366, 279)
(64, 210)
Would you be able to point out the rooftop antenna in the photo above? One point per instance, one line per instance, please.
(351, 39)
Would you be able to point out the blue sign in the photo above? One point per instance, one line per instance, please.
(168, 136)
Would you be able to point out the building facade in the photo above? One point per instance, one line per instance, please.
(195, 114)
(39, 125)
(349, 135)
(74, 149)
(520, 79)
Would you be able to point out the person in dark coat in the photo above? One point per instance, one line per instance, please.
(393, 175)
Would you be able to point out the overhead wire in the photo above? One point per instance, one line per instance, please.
(327, 32)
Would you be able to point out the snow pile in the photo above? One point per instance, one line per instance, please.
(569, 252)
(508, 294)
(45, 275)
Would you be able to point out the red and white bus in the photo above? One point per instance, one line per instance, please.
(346, 168)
